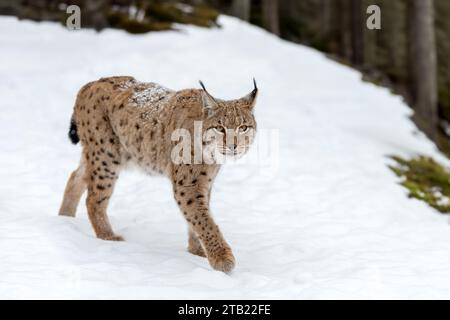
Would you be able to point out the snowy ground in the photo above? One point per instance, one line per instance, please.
(329, 222)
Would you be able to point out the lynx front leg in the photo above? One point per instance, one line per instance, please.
(74, 189)
(192, 200)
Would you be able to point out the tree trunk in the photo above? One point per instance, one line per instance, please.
(326, 17)
(370, 41)
(10, 7)
(95, 14)
(271, 17)
(423, 65)
(357, 32)
(344, 16)
(241, 9)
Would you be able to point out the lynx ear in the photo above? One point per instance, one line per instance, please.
(208, 101)
(250, 99)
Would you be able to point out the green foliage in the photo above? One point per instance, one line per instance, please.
(426, 180)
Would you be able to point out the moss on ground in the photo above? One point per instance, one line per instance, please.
(159, 15)
(198, 15)
(426, 180)
(120, 21)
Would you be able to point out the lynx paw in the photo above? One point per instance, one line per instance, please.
(113, 237)
(223, 260)
(198, 251)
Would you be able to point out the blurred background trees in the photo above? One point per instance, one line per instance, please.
(409, 54)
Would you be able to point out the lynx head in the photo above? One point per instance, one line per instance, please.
(229, 126)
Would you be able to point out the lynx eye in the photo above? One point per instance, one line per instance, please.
(243, 129)
(219, 129)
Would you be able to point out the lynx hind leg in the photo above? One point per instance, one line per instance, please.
(102, 174)
(194, 245)
(76, 185)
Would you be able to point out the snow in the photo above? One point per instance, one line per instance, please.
(323, 218)
(151, 97)
(150, 94)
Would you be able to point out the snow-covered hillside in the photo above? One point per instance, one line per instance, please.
(329, 221)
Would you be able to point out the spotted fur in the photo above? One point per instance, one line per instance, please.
(121, 121)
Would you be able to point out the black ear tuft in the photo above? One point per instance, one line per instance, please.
(202, 85)
(255, 90)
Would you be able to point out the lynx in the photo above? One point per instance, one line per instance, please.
(122, 121)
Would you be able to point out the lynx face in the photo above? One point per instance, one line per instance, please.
(232, 140)
(230, 126)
